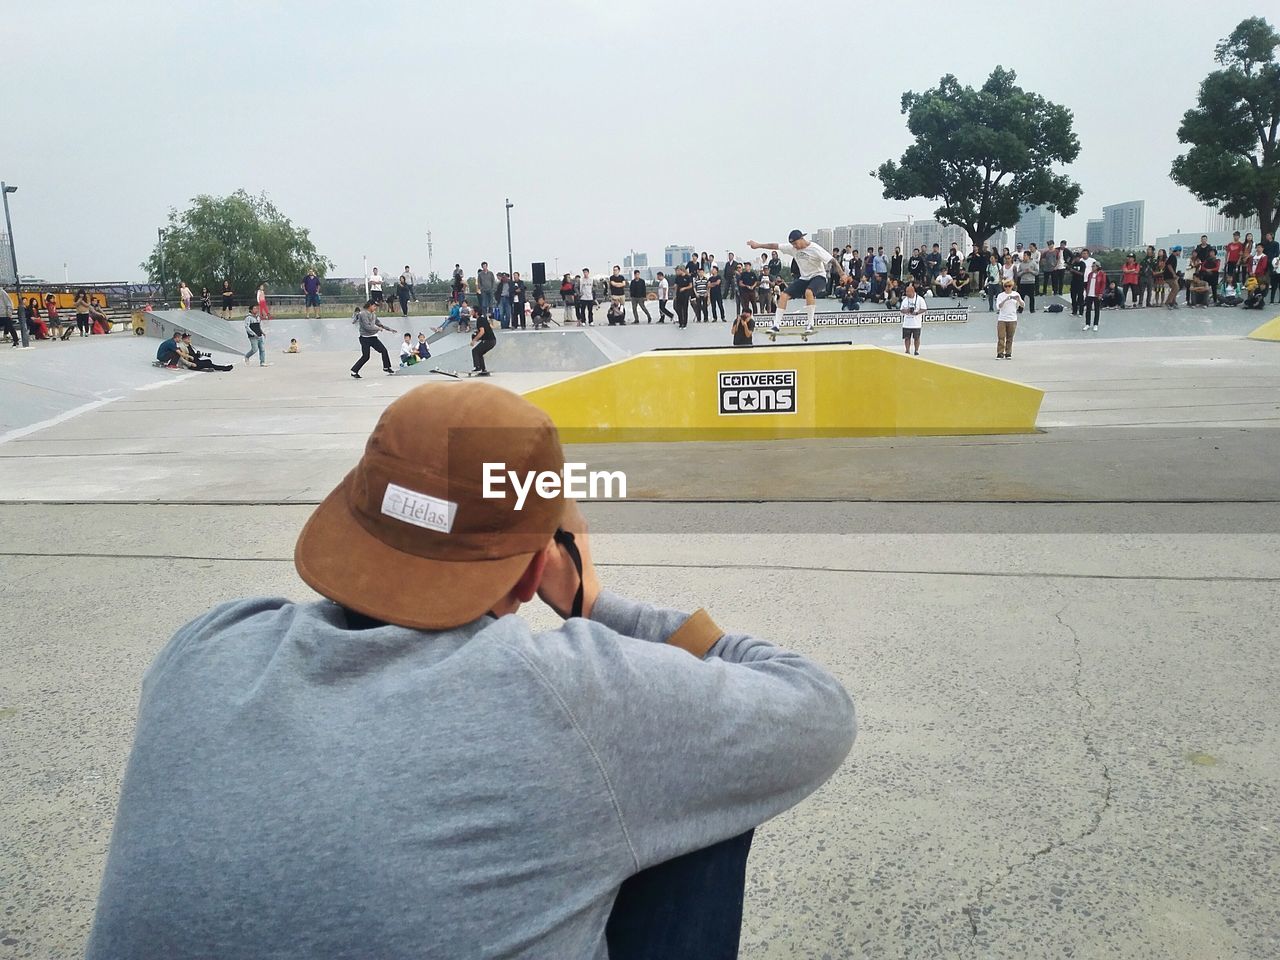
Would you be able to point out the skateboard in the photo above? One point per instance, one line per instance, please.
(446, 373)
(802, 334)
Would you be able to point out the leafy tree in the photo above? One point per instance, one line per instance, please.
(1234, 160)
(986, 154)
(240, 238)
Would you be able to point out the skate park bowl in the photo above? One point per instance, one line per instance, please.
(1268, 331)
(774, 393)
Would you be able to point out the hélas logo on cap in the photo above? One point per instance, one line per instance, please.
(419, 509)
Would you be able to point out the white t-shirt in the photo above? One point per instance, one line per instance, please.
(913, 310)
(944, 280)
(1006, 271)
(812, 260)
(663, 289)
(1007, 306)
(586, 289)
(1090, 265)
(375, 282)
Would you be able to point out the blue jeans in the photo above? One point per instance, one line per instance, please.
(504, 312)
(259, 344)
(689, 908)
(486, 302)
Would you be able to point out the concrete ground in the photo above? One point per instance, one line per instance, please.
(1062, 646)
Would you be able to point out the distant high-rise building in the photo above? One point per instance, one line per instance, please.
(1035, 226)
(1215, 222)
(1122, 225)
(999, 240)
(863, 235)
(823, 237)
(6, 260)
(635, 261)
(841, 237)
(1093, 234)
(676, 255)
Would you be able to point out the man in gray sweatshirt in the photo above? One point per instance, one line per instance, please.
(486, 284)
(406, 769)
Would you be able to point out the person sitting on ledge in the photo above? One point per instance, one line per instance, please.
(407, 767)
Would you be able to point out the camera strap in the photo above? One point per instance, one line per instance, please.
(565, 539)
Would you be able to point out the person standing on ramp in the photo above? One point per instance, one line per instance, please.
(812, 282)
(369, 327)
(482, 341)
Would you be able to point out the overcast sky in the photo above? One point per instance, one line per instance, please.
(611, 125)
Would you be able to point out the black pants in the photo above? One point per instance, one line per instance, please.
(1132, 290)
(478, 352)
(372, 343)
(717, 304)
(1275, 286)
(1058, 276)
(6, 323)
(1212, 279)
(404, 304)
(1028, 292)
(689, 907)
(82, 323)
(663, 312)
(204, 363)
(700, 309)
(1077, 297)
(682, 309)
(517, 315)
(1094, 305)
(586, 310)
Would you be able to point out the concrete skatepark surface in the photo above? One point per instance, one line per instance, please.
(1062, 646)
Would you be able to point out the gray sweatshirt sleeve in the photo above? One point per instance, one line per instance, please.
(693, 751)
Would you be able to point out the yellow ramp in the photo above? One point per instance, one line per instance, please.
(1268, 331)
(767, 393)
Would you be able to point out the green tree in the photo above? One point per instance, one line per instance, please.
(240, 238)
(1234, 160)
(986, 154)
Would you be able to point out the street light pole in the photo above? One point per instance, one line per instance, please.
(13, 257)
(510, 263)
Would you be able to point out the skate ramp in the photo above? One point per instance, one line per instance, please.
(1268, 331)
(523, 351)
(338, 334)
(207, 331)
(782, 392)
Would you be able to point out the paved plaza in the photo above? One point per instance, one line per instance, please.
(1062, 646)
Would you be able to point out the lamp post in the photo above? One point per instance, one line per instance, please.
(510, 264)
(6, 189)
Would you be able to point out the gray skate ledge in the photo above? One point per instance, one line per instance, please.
(524, 351)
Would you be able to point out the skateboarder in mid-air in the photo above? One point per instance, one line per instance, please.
(812, 261)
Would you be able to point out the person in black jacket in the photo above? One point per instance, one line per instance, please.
(482, 341)
(1077, 267)
(684, 293)
(517, 302)
(716, 291)
(638, 293)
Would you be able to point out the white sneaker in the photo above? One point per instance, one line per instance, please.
(1085, 327)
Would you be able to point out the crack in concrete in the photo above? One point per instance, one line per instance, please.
(974, 910)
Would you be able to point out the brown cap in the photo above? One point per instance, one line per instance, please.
(408, 536)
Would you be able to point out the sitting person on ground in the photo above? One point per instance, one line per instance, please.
(422, 349)
(169, 354)
(293, 346)
(1113, 297)
(864, 288)
(541, 315)
(893, 294)
(848, 290)
(407, 767)
(744, 327)
(1200, 291)
(944, 284)
(197, 360)
(408, 351)
(617, 315)
(99, 320)
(963, 283)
